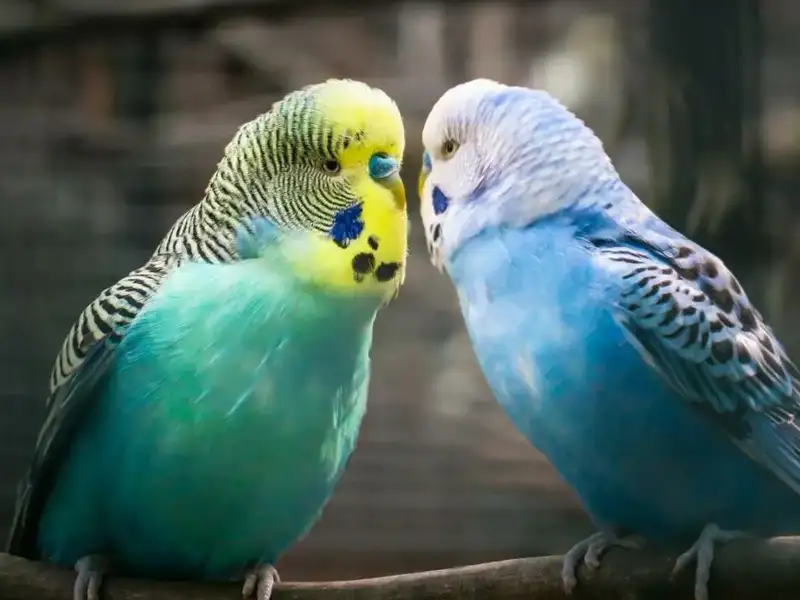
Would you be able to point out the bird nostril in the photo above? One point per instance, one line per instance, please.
(381, 165)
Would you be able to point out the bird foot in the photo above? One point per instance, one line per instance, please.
(259, 582)
(90, 569)
(702, 551)
(590, 551)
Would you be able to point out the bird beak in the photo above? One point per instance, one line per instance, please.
(394, 184)
(424, 171)
(421, 179)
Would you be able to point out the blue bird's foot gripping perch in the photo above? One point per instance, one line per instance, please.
(702, 551)
(590, 551)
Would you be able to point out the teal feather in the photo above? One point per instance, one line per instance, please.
(237, 389)
(202, 408)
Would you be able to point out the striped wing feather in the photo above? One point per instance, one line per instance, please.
(87, 352)
(691, 320)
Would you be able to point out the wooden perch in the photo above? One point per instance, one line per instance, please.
(742, 571)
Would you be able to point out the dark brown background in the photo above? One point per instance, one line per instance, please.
(113, 115)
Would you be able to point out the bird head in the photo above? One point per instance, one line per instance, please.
(501, 156)
(325, 162)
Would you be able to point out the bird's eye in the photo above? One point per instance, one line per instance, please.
(331, 166)
(449, 148)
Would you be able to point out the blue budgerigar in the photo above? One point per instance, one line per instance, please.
(203, 408)
(627, 354)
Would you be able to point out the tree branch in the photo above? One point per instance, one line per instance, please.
(742, 571)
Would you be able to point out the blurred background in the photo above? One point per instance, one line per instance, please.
(113, 115)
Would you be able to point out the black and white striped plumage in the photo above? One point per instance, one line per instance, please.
(270, 168)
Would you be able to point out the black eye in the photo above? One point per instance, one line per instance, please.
(449, 148)
(332, 166)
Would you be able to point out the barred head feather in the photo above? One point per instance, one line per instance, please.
(295, 165)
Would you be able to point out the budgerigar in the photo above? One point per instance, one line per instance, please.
(203, 408)
(627, 354)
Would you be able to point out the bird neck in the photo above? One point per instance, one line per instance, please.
(517, 204)
(207, 231)
(272, 273)
(599, 192)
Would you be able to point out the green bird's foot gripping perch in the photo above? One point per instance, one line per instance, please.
(259, 582)
(90, 569)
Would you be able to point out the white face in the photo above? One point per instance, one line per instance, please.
(455, 164)
(506, 156)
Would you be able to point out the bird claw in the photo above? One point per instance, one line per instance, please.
(590, 551)
(702, 551)
(260, 581)
(90, 569)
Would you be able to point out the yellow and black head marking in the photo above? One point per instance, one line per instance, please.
(365, 264)
(367, 248)
(369, 142)
(326, 159)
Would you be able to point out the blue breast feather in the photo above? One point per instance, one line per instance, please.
(229, 412)
(639, 456)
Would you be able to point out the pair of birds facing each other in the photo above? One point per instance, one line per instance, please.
(203, 408)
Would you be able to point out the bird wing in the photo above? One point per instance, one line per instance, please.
(82, 363)
(691, 321)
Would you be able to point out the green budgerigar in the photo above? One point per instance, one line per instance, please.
(203, 408)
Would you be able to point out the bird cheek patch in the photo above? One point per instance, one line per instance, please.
(440, 201)
(347, 225)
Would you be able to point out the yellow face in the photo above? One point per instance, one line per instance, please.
(374, 258)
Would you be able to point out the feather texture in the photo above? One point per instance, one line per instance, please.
(646, 453)
(627, 354)
(255, 430)
(690, 318)
(203, 407)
